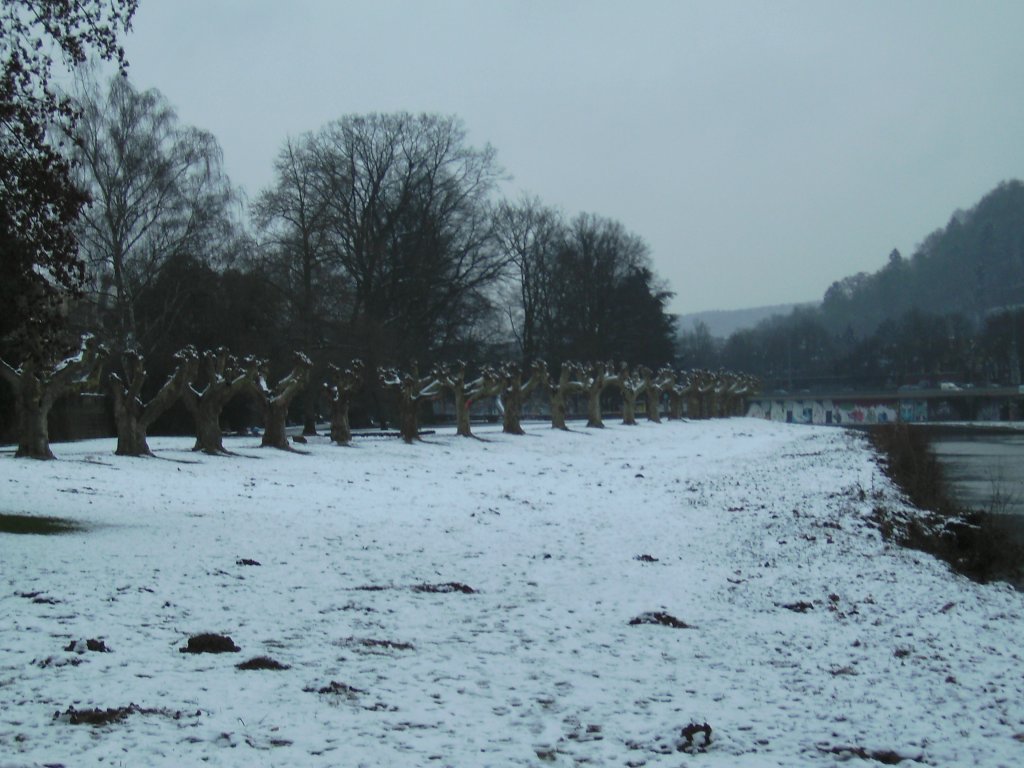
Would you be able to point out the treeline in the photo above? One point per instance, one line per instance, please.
(205, 383)
(383, 237)
(954, 311)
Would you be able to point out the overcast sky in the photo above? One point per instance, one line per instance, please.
(762, 150)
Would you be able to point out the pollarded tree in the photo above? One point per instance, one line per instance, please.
(342, 385)
(656, 385)
(40, 202)
(274, 401)
(674, 385)
(570, 382)
(597, 380)
(133, 417)
(452, 378)
(224, 377)
(409, 389)
(632, 385)
(158, 192)
(37, 387)
(514, 391)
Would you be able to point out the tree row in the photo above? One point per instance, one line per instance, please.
(205, 382)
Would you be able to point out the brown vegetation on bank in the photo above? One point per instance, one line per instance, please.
(976, 543)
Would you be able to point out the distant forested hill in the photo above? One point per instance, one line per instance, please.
(971, 267)
(953, 311)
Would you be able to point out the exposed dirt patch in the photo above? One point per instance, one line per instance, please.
(262, 662)
(210, 643)
(801, 606)
(38, 598)
(660, 618)
(449, 586)
(373, 645)
(99, 716)
(81, 646)
(883, 756)
(334, 688)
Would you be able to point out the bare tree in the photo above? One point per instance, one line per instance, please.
(158, 192)
(341, 386)
(133, 417)
(37, 387)
(452, 378)
(632, 385)
(409, 389)
(570, 382)
(410, 228)
(224, 377)
(274, 401)
(292, 218)
(531, 235)
(514, 391)
(597, 380)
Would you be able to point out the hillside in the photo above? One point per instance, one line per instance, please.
(971, 267)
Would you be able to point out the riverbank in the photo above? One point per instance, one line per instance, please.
(548, 599)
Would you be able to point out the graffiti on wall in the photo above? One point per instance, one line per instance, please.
(829, 412)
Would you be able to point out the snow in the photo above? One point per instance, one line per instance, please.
(564, 538)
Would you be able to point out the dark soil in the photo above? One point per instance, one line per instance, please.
(883, 756)
(209, 643)
(372, 644)
(98, 716)
(801, 606)
(337, 689)
(660, 618)
(96, 646)
(447, 587)
(262, 662)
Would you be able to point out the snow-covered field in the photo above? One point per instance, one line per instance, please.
(809, 640)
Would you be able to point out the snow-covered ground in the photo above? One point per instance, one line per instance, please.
(810, 640)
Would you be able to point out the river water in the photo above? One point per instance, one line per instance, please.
(985, 467)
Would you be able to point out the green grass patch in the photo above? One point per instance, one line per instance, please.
(38, 526)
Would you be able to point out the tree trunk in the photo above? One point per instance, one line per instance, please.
(33, 431)
(408, 418)
(513, 393)
(558, 409)
(594, 419)
(309, 413)
(675, 405)
(629, 406)
(653, 403)
(341, 431)
(131, 436)
(275, 417)
(209, 437)
(461, 412)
